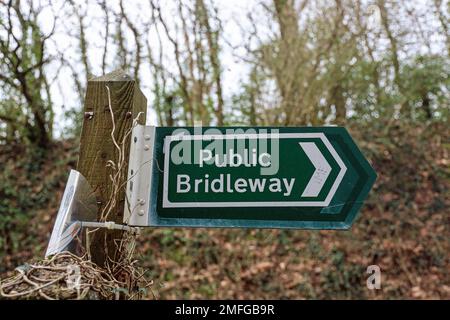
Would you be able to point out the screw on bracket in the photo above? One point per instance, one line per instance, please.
(89, 115)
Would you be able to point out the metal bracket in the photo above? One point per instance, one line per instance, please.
(139, 176)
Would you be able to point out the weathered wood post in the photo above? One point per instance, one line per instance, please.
(97, 147)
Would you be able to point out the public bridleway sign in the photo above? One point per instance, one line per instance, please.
(311, 177)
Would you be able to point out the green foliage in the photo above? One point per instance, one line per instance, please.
(30, 181)
(343, 280)
(402, 228)
(427, 86)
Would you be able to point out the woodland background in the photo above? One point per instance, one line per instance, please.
(380, 68)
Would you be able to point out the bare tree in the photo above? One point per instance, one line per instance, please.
(212, 37)
(137, 40)
(23, 55)
(195, 48)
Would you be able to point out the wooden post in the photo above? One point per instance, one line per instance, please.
(97, 147)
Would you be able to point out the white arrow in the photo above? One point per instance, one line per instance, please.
(321, 173)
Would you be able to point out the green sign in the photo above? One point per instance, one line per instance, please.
(313, 177)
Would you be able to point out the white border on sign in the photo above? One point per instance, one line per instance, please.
(208, 137)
